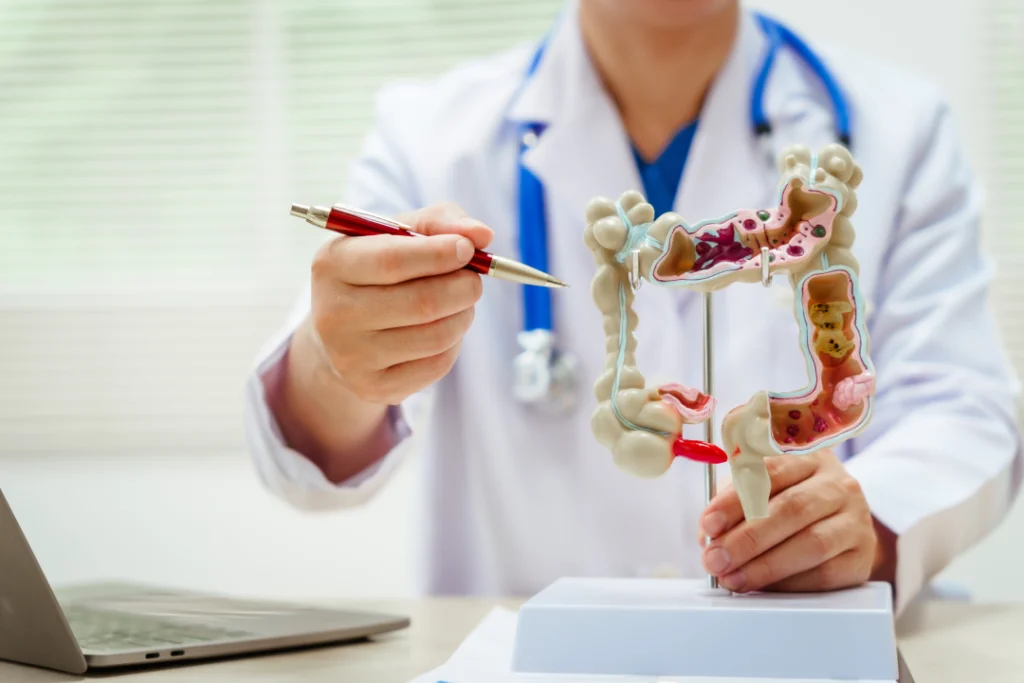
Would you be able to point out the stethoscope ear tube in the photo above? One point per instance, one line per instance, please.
(778, 36)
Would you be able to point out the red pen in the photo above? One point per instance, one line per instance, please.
(357, 223)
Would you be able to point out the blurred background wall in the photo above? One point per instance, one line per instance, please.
(148, 154)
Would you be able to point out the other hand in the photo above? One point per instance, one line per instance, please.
(819, 534)
(390, 312)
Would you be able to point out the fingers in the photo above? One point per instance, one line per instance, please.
(405, 344)
(390, 311)
(725, 511)
(850, 568)
(794, 509)
(421, 373)
(811, 547)
(447, 218)
(367, 328)
(424, 322)
(413, 303)
(451, 240)
(724, 489)
(387, 259)
(393, 385)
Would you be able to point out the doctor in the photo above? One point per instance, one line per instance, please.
(393, 340)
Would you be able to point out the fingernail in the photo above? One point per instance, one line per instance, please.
(734, 582)
(716, 560)
(464, 250)
(714, 524)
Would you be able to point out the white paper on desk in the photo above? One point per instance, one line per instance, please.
(485, 656)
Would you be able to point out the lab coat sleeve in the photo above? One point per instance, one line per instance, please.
(939, 462)
(380, 181)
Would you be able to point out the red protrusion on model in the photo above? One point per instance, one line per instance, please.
(699, 451)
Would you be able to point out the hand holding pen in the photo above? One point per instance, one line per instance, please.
(391, 311)
(356, 223)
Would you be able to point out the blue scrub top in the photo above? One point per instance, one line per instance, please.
(661, 177)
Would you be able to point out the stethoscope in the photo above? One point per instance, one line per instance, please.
(545, 376)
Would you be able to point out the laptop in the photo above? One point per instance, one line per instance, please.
(105, 626)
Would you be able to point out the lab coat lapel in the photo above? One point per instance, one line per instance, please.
(728, 167)
(583, 151)
(725, 170)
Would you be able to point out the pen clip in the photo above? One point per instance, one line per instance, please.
(375, 218)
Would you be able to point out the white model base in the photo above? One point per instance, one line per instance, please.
(683, 628)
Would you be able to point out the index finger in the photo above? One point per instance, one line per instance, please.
(391, 259)
(725, 511)
(448, 218)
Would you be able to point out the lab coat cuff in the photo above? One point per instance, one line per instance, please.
(877, 480)
(290, 474)
(924, 499)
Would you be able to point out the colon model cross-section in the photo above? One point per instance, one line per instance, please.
(806, 237)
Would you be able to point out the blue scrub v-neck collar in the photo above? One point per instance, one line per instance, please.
(662, 176)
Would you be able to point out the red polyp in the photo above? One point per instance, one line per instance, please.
(698, 451)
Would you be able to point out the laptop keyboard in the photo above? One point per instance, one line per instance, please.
(111, 631)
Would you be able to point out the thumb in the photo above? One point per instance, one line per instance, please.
(448, 219)
(723, 487)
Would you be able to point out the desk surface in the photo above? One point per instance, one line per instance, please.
(942, 642)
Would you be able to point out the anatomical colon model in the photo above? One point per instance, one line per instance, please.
(808, 237)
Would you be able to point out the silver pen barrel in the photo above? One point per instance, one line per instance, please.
(504, 269)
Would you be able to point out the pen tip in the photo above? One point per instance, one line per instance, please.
(556, 282)
(300, 210)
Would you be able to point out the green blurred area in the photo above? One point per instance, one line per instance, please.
(149, 143)
(138, 140)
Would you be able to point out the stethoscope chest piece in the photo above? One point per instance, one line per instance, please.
(544, 377)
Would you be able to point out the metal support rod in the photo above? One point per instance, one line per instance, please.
(710, 483)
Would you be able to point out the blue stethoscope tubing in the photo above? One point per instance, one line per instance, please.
(533, 247)
(781, 36)
(533, 219)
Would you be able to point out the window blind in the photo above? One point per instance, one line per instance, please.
(156, 146)
(1005, 229)
(149, 152)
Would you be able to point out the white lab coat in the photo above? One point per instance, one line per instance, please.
(515, 499)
